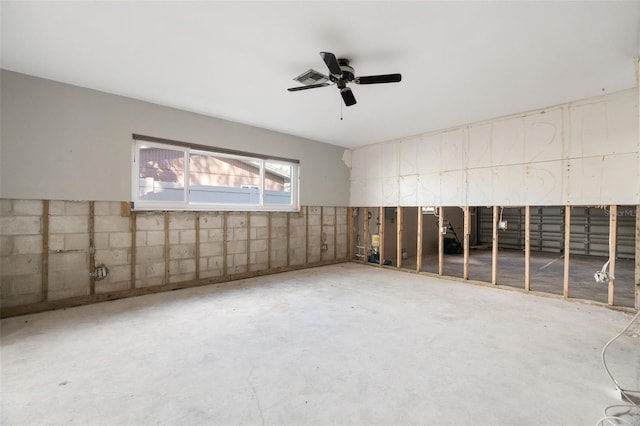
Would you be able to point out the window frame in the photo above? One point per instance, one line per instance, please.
(140, 141)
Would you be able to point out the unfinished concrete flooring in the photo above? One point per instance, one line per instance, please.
(342, 344)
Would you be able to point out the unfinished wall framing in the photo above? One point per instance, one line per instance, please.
(47, 250)
(548, 269)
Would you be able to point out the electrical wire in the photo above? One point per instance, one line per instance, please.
(624, 392)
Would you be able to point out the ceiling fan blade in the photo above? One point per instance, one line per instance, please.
(376, 79)
(347, 96)
(310, 86)
(332, 63)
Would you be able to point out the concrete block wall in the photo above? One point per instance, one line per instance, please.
(21, 251)
(48, 257)
(68, 249)
(113, 246)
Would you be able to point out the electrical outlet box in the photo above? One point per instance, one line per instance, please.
(502, 225)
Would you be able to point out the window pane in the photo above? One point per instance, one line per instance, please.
(277, 183)
(161, 174)
(223, 180)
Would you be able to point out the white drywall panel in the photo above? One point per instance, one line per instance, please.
(408, 156)
(452, 150)
(428, 157)
(358, 195)
(408, 190)
(544, 136)
(66, 142)
(607, 179)
(452, 192)
(389, 153)
(544, 183)
(508, 185)
(479, 187)
(479, 146)
(390, 191)
(604, 125)
(428, 189)
(507, 142)
(372, 190)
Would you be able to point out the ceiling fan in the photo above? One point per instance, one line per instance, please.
(340, 73)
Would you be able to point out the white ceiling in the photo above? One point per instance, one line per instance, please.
(461, 62)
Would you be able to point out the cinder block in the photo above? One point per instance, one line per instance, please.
(182, 251)
(258, 220)
(182, 221)
(258, 245)
(6, 207)
(21, 264)
(21, 285)
(187, 236)
(112, 224)
(214, 263)
(119, 239)
(56, 242)
(101, 241)
(56, 208)
(214, 235)
(111, 286)
(6, 245)
(211, 220)
(187, 266)
(76, 242)
(210, 249)
(154, 270)
(113, 257)
(76, 208)
(68, 224)
(151, 282)
(107, 208)
(153, 238)
(314, 220)
(67, 293)
(210, 273)
(150, 222)
(69, 261)
(235, 220)
(20, 225)
(149, 253)
(174, 237)
(118, 273)
(27, 244)
(26, 299)
(235, 247)
(27, 208)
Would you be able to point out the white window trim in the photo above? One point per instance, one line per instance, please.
(186, 205)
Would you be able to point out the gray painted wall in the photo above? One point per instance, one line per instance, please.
(65, 142)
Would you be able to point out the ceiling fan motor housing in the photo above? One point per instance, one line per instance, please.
(348, 73)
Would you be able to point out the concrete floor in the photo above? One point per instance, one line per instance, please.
(547, 272)
(341, 344)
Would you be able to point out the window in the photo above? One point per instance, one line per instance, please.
(170, 175)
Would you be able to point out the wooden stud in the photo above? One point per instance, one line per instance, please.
(350, 231)
(440, 241)
(613, 238)
(494, 248)
(166, 248)
(527, 248)
(125, 209)
(381, 235)
(637, 262)
(467, 232)
(288, 238)
(196, 225)
(133, 227)
(224, 244)
(269, 219)
(321, 231)
(399, 221)
(419, 240)
(248, 240)
(365, 223)
(306, 235)
(92, 245)
(45, 250)
(567, 247)
(335, 233)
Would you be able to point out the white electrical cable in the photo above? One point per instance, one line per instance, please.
(624, 392)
